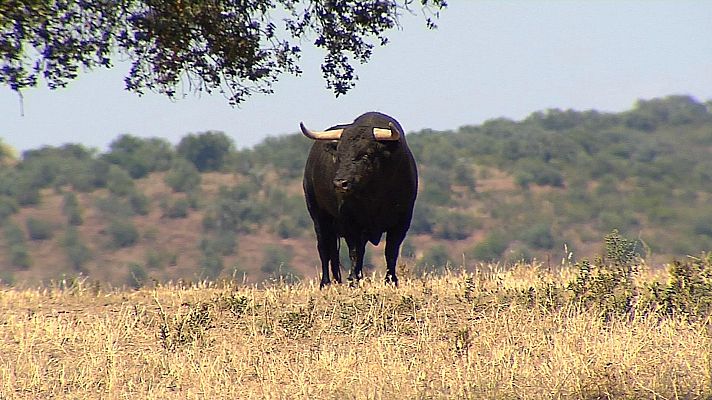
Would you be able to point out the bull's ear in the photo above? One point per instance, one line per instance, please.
(333, 134)
(392, 133)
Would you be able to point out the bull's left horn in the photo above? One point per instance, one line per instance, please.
(334, 134)
(392, 133)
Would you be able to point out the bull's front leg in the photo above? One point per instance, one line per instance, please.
(357, 249)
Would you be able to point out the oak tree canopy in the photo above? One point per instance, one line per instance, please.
(235, 47)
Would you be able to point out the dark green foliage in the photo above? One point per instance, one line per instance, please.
(451, 225)
(620, 250)
(136, 277)
(15, 240)
(139, 203)
(222, 243)
(436, 259)
(77, 252)
(183, 176)
(113, 206)
(276, 264)
(233, 48)
(184, 329)
(236, 209)
(176, 209)
(211, 265)
(423, 218)
(123, 233)
(530, 171)
(139, 157)
(436, 189)
(70, 208)
(538, 236)
(158, 259)
(119, 182)
(207, 151)
(689, 291)
(608, 283)
(39, 229)
(287, 154)
(8, 206)
(491, 247)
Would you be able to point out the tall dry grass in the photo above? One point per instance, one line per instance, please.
(469, 336)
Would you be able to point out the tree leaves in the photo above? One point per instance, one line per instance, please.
(234, 47)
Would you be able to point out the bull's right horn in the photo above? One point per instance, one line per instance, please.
(334, 134)
(390, 134)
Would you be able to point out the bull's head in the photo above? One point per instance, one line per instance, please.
(362, 152)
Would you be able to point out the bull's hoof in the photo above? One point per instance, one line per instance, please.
(392, 280)
(354, 280)
(324, 283)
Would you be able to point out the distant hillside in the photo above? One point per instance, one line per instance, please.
(542, 188)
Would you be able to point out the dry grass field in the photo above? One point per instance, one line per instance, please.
(482, 335)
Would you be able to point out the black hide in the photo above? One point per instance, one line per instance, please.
(358, 188)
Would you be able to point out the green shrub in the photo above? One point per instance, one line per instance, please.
(20, 256)
(222, 243)
(211, 265)
(183, 176)
(276, 259)
(137, 276)
(451, 225)
(176, 209)
(70, 208)
(123, 233)
(608, 284)
(689, 291)
(39, 229)
(8, 206)
(207, 151)
(77, 252)
(538, 236)
(490, 248)
(139, 203)
(119, 182)
(435, 260)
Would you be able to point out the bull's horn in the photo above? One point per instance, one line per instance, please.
(392, 133)
(333, 134)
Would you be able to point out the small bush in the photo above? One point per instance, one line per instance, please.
(123, 233)
(454, 225)
(139, 203)
(137, 276)
(277, 262)
(211, 265)
(77, 252)
(436, 259)
(183, 176)
(39, 229)
(119, 182)
(8, 206)
(491, 248)
(70, 208)
(538, 236)
(176, 209)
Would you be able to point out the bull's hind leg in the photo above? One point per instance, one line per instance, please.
(328, 252)
(393, 243)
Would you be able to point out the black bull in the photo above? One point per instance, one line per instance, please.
(360, 181)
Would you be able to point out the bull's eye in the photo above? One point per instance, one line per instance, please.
(365, 157)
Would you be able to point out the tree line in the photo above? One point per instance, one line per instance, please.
(500, 191)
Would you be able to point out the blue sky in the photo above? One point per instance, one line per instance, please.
(488, 59)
